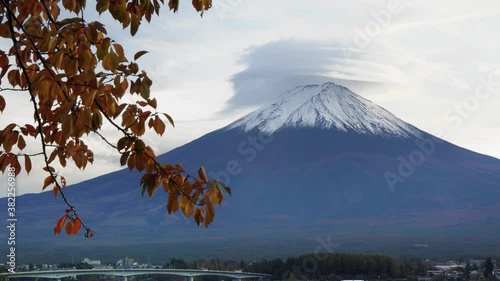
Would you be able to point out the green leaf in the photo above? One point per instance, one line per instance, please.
(226, 188)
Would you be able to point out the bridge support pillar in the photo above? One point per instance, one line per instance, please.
(189, 278)
(125, 278)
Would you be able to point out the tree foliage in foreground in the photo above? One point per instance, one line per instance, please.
(77, 79)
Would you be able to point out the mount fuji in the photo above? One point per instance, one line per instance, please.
(325, 107)
(318, 168)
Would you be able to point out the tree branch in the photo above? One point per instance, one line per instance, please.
(10, 17)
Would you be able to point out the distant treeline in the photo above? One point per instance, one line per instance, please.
(321, 266)
(324, 266)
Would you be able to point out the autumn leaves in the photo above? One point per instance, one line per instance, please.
(199, 5)
(194, 196)
(76, 78)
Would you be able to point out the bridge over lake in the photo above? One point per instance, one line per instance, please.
(189, 274)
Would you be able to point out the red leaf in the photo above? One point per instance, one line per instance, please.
(60, 224)
(173, 5)
(2, 103)
(27, 164)
(52, 170)
(48, 180)
(56, 191)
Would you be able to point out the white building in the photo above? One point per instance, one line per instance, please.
(91, 262)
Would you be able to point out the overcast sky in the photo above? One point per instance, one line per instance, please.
(434, 64)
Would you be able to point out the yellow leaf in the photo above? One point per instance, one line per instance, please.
(173, 203)
(188, 209)
(210, 213)
(218, 197)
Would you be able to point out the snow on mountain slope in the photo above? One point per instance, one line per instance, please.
(326, 106)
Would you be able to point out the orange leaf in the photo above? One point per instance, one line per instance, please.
(70, 227)
(60, 224)
(159, 126)
(203, 174)
(55, 190)
(77, 226)
(179, 182)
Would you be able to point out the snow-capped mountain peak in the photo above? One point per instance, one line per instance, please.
(327, 106)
